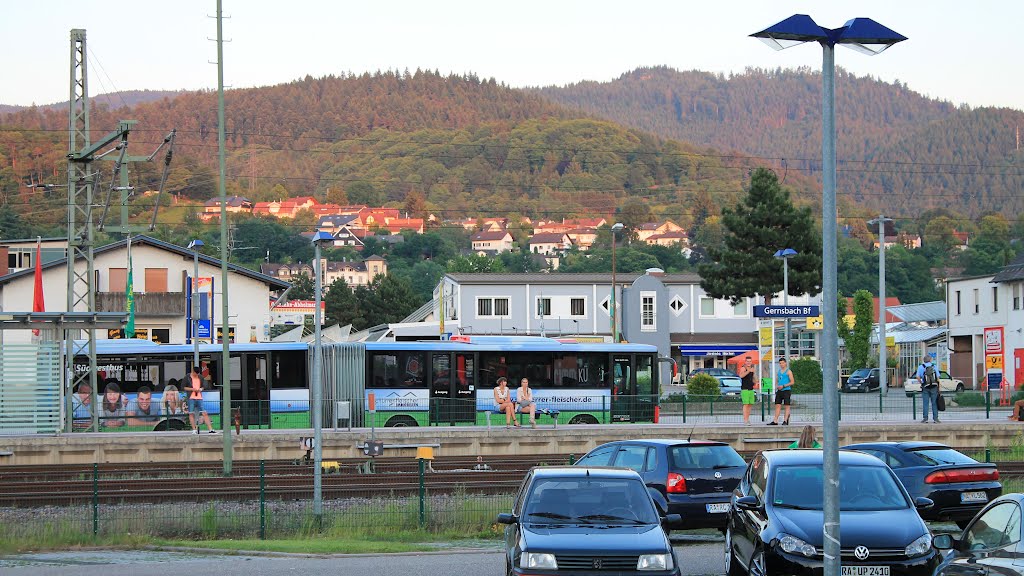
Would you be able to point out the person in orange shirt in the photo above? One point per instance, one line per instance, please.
(195, 401)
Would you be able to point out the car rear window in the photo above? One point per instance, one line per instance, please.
(942, 455)
(704, 456)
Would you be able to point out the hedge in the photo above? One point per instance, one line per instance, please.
(808, 377)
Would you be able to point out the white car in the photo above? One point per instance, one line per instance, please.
(946, 384)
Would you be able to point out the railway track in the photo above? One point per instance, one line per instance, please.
(283, 480)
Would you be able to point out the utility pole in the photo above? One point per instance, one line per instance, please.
(225, 364)
(80, 292)
(883, 369)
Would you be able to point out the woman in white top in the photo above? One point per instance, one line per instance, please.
(524, 397)
(503, 400)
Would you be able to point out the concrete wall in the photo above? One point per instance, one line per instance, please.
(181, 446)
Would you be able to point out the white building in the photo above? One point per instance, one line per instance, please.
(160, 273)
(977, 303)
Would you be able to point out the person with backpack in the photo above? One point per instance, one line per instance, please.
(928, 376)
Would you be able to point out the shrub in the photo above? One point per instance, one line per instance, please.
(807, 376)
(703, 385)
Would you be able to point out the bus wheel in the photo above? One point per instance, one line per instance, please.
(583, 419)
(400, 422)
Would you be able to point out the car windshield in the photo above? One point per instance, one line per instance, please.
(589, 500)
(862, 372)
(704, 456)
(861, 488)
(939, 455)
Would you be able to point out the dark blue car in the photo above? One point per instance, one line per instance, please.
(775, 526)
(695, 477)
(576, 520)
(959, 485)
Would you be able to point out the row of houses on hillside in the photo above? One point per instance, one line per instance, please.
(353, 272)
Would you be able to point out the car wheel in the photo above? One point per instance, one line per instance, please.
(757, 566)
(960, 387)
(732, 568)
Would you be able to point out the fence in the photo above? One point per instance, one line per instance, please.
(261, 499)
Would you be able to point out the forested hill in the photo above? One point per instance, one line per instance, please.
(898, 151)
(451, 145)
(110, 99)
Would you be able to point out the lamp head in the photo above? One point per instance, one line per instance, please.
(785, 253)
(321, 238)
(195, 244)
(860, 34)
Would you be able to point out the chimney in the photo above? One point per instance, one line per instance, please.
(658, 272)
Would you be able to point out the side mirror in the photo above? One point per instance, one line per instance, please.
(672, 521)
(923, 503)
(659, 500)
(943, 541)
(748, 503)
(507, 519)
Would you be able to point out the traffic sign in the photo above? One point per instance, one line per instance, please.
(785, 311)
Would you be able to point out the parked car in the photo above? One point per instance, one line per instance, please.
(992, 542)
(862, 380)
(728, 380)
(946, 384)
(574, 519)
(958, 485)
(696, 477)
(775, 525)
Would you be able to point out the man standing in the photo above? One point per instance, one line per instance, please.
(783, 392)
(747, 394)
(928, 376)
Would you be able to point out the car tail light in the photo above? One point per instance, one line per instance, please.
(962, 475)
(675, 484)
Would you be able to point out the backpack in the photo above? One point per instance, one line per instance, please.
(931, 377)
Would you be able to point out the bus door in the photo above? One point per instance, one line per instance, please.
(452, 388)
(646, 388)
(255, 397)
(623, 388)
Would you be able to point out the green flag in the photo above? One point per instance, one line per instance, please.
(129, 298)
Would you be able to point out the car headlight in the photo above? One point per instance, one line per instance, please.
(920, 547)
(794, 545)
(537, 560)
(654, 562)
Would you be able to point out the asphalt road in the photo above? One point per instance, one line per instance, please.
(698, 559)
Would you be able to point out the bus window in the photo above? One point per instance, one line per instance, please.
(581, 370)
(644, 375)
(622, 377)
(396, 370)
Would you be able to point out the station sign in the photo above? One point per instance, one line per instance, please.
(786, 311)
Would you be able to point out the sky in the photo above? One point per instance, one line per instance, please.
(964, 52)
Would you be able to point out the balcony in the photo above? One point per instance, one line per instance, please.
(146, 304)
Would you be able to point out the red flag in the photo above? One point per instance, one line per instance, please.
(37, 296)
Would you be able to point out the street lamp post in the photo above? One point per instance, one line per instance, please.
(317, 380)
(785, 254)
(864, 35)
(194, 246)
(616, 228)
(883, 368)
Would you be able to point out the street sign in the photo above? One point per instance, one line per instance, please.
(994, 363)
(786, 311)
(815, 322)
(766, 336)
(890, 341)
(995, 380)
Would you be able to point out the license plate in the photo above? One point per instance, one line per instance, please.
(718, 508)
(966, 497)
(864, 571)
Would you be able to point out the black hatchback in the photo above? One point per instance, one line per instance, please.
(775, 526)
(576, 520)
(959, 485)
(696, 477)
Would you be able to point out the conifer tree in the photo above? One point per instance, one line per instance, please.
(764, 222)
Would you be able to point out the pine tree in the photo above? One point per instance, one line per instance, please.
(765, 221)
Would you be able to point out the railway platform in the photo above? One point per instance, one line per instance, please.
(174, 446)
